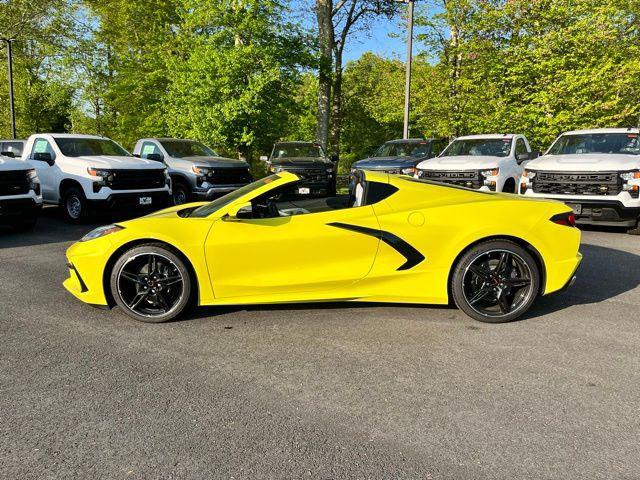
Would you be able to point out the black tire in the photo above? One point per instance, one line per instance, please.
(151, 284)
(180, 193)
(74, 205)
(509, 186)
(25, 224)
(496, 281)
(634, 231)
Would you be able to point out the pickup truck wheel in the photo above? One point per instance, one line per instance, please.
(180, 193)
(151, 284)
(495, 282)
(74, 205)
(635, 231)
(509, 186)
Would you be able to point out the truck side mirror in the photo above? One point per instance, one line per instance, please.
(521, 157)
(264, 158)
(8, 154)
(156, 157)
(43, 157)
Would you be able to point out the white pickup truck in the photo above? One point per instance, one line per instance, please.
(20, 197)
(85, 173)
(596, 172)
(492, 163)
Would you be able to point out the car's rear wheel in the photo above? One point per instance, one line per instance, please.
(151, 284)
(495, 281)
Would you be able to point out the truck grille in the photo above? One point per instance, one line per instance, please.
(311, 175)
(14, 182)
(577, 183)
(470, 179)
(137, 179)
(231, 176)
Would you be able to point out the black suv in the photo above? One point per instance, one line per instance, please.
(309, 161)
(401, 156)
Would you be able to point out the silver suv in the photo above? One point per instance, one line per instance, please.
(197, 172)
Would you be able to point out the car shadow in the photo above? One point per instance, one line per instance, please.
(604, 273)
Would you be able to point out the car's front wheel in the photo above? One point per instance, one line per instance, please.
(495, 281)
(180, 193)
(74, 205)
(150, 283)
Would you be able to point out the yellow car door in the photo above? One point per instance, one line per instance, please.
(312, 252)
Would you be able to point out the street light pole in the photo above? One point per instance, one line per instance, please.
(12, 107)
(407, 86)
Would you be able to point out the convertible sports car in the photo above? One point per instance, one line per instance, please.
(392, 239)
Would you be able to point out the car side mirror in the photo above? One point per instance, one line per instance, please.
(43, 157)
(334, 158)
(264, 158)
(156, 157)
(242, 210)
(8, 154)
(521, 157)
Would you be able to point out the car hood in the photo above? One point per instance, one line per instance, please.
(300, 162)
(386, 162)
(8, 163)
(217, 162)
(122, 163)
(462, 162)
(588, 162)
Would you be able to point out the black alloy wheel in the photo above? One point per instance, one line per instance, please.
(151, 284)
(496, 281)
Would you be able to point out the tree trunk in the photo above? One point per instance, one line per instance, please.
(325, 37)
(336, 105)
(454, 61)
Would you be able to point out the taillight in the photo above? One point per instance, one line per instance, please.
(567, 219)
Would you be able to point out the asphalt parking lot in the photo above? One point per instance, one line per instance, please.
(318, 391)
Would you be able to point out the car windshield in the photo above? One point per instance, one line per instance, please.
(297, 150)
(403, 149)
(218, 203)
(90, 147)
(187, 148)
(612, 143)
(13, 147)
(490, 147)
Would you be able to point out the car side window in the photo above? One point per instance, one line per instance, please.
(521, 147)
(40, 145)
(148, 148)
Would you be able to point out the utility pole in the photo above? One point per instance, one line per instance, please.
(407, 86)
(8, 42)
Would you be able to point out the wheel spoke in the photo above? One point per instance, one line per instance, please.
(479, 295)
(151, 265)
(505, 259)
(517, 282)
(162, 301)
(172, 280)
(131, 277)
(137, 299)
(480, 272)
(503, 303)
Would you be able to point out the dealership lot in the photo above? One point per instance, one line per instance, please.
(318, 391)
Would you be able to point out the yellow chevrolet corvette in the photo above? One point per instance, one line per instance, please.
(391, 239)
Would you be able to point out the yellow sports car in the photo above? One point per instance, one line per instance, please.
(391, 239)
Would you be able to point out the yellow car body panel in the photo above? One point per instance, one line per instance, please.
(351, 254)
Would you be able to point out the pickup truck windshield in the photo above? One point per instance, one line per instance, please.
(218, 203)
(403, 149)
(90, 147)
(494, 147)
(296, 150)
(187, 148)
(612, 143)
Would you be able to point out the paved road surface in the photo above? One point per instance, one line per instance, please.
(318, 391)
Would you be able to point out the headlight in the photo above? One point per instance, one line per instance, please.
(203, 171)
(490, 173)
(101, 232)
(630, 175)
(98, 172)
(34, 181)
(409, 171)
(330, 170)
(530, 174)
